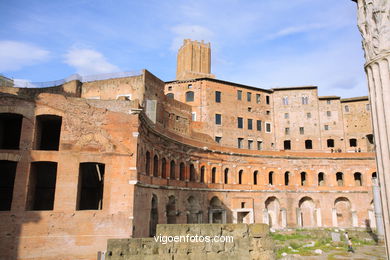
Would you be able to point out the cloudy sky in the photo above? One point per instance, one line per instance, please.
(263, 43)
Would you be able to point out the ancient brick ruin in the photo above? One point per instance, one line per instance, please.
(92, 160)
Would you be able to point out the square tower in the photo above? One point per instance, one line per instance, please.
(194, 60)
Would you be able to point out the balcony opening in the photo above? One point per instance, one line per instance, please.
(7, 180)
(42, 186)
(90, 187)
(48, 130)
(10, 129)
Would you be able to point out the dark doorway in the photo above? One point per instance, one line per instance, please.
(90, 187)
(48, 130)
(7, 179)
(10, 129)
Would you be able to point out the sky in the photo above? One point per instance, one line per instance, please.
(261, 43)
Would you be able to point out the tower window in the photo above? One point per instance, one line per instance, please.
(267, 100)
(259, 145)
(250, 124)
(268, 127)
(346, 108)
(218, 119)
(190, 96)
(258, 125)
(258, 98)
(352, 142)
(239, 142)
(248, 96)
(239, 94)
(250, 144)
(217, 96)
(240, 122)
(301, 130)
(218, 139)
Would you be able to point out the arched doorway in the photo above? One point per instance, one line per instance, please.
(171, 210)
(343, 212)
(307, 211)
(194, 213)
(272, 206)
(153, 216)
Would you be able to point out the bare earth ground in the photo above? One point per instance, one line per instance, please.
(302, 244)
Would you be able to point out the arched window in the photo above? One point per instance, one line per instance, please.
(374, 176)
(172, 170)
(240, 176)
(213, 174)
(190, 96)
(358, 178)
(192, 172)
(155, 166)
(286, 178)
(163, 168)
(308, 144)
(226, 176)
(147, 163)
(182, 172)
(303, 178)
(340, 179)
(330, 143)
(321, 180)
(202, 170)
(171, 95)
(255, 173)
(270, 178)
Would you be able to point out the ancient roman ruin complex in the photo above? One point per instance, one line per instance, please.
(88, 160)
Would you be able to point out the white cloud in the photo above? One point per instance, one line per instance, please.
(88, 61)
(194, 32)
(294, 30)
(14, 55)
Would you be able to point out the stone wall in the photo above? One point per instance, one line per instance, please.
(249, 242)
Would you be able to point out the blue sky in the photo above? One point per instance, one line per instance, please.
(263, 43)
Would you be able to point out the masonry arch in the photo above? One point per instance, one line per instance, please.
(240, 176)
(343, 210)
(163, 168)
(172, 170)
(286, 178)
(182, 169)
(272, 212)
(192, 172)
(307, 212)
(271, 178)
(171, 210)
(155, 166)
(217, 213)
(153, 216)
(147, 163)
(194, 213)
(321, 179)
(340, 179)
(226, 176)
(255, 177)
(357, 176)
(202, 173)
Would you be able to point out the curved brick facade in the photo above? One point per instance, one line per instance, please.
(88, 161)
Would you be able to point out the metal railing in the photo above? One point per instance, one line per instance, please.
(28, 84)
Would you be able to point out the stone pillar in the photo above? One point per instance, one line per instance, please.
(319, 217)
(334, 217)
(374, 26)
(355, 221)
(265, 217)
(378, 210)
(284, 217)
(299, 217)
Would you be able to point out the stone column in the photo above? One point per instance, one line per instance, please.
(284, 218)
(374, 26)
(334, 218)
(378, 209)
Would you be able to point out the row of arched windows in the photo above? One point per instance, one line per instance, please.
(321, 180)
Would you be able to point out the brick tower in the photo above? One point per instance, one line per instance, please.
(194, 60)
